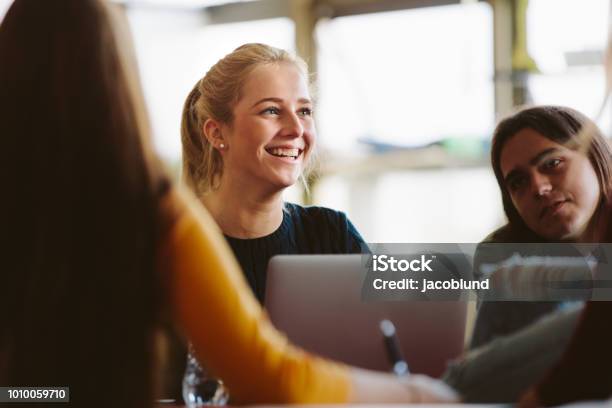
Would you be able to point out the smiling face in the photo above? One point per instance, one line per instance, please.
(272, 133)
(554, 189)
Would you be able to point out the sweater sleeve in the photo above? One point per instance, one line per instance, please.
(229, 331)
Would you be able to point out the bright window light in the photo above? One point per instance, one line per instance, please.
(179, 3)
(406, 77)
(4, 5)
(568, 50)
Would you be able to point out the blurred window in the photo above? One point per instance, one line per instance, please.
(4, 5)
(409, 78)
(568, 50)
(406, 77)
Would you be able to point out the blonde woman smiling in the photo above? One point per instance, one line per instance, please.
(248, 133)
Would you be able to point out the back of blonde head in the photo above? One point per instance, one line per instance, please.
(213, 97)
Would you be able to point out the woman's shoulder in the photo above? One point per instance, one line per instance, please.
(489, 249)
(180, 209)
(174, 206)
(331, 226)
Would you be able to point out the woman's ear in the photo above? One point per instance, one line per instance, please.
(211, 130)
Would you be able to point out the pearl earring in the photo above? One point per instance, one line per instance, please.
(221, 146)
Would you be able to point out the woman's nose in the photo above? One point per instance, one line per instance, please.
(292, 125)
(541, 185)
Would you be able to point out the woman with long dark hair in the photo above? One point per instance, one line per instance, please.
(81, 294)
(582, 203)
(555, 189)
(552, 192)
(99, 250)
(583, 371)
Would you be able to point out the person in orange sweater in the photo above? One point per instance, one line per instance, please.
(99, 249)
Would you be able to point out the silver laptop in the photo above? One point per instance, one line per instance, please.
(316, 301)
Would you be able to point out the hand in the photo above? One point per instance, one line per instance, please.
(428, 390)
(376, 387)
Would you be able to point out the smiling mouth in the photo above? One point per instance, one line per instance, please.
(293, 153)
(552, 209)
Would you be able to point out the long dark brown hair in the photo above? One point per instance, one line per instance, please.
(80, 292)
(561, 125)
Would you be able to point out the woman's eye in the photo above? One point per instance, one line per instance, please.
(551, 164)
(305, 112)
(516, 183)
(271, 111)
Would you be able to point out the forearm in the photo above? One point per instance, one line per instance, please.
(371, 387)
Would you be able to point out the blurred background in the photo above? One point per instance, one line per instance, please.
(409, 92)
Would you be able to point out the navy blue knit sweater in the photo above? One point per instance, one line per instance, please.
(304, 230)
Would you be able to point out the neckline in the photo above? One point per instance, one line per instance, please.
(282, 228)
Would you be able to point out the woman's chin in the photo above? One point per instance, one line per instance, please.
(287, 183)
(280, 184)
(284, 180)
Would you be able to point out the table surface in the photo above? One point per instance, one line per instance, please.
(350, 406)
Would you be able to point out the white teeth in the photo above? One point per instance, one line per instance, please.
(277, 151)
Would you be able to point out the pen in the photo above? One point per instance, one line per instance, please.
(392, 345)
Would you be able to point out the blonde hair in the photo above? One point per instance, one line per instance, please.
(213, 97)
